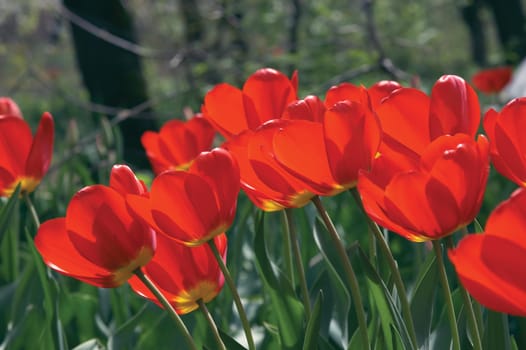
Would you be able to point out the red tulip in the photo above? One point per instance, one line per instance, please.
(371, 97)
(265, 95)
(183, 274)
(9, 107)
(327, 155)
(192, 206)
(264, 180)
(98, 241)
(492, 80)
(24, 159)
(440, 194)
(507, 146)
(411, 120)
(177, 144)
(491, 265)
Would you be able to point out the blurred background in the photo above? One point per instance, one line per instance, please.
(83, 60)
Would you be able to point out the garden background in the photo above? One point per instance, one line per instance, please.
(108, 70)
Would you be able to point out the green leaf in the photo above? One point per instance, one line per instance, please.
(423, 300)
(287, 308)
(340, 289)
(497, 334)
(383, 300)
(7, 212)
(313, 325)
(92, 344)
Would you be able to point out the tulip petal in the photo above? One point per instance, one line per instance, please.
(14, 131)
(39, 157)
(481, 280)
(454, 108)
(225, 109)
(124, 181)
(270, 92)
(58, 252)
(403, 116)
(346, 92)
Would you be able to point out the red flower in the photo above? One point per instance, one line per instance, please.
(491, 265)
(192, 206)
(265, 95)
(264, 180)
(441, 193)
(507, 146)
(327, 155)
(9, 107)
(492, 80)
(98, 241)
(24, 159)
(183, 274)
(177, 144)
(410, 119)
(371, 97)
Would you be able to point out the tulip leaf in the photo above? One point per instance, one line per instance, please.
(497, 334)
(7, 212)
(285, 305)
(313, 325)
(92, 344)
(383, 301)
(336, 275)
(422, 300)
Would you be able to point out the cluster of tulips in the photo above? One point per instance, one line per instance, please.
(416, 162)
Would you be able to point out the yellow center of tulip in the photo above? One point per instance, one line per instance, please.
(124, 273)
(186, 301)
(27, 185)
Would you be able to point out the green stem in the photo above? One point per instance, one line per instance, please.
(287, 249)
(349, 271)
(167, 307)
(297, 259)
(32, 210)
(447, 295)
(472, 320)
(235, 295)
(211, 323)
(393, 266)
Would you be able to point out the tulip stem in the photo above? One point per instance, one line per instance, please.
(447, 295)
(298, 262)
(472, 320)
(167, 307)
(235, 295)
(349, 271)
(211, 323)
(32, 210)
(287, 250)
(393, 266)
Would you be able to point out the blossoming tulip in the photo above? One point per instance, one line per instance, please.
(98, 241)
(491, 265)
(507, 146)
(410, 119)
(183, 274)
(492, 80)
(265, 95)
(327, 155)
(441, 194)
(192, 206)
(264, 180)
(176, 145)
(24, 159)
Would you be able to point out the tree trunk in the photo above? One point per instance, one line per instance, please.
(113, 75)
(509, 19)
(471, 16)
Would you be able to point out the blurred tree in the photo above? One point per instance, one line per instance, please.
(510, 22)
(113, 75)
